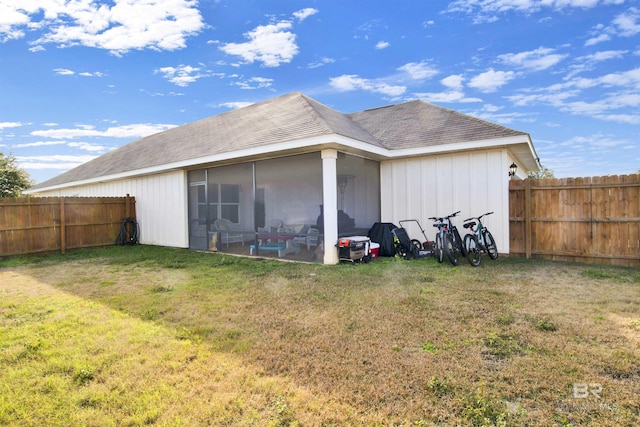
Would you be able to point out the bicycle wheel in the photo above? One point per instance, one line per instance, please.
(451, 250)
(457, 240)
(474, 254)
(439, 250)
(490, 244)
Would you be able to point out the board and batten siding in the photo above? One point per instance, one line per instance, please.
(474, 183)
(161, 204)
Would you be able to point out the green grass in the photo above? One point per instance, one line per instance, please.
(157, 336)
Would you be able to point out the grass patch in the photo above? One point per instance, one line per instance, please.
(158, 336)
(618, 275)
(481, 409)
(546, 325)
(503, 346)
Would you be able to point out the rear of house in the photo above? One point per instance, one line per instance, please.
(288, 176)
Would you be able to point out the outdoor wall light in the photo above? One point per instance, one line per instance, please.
(512, 169)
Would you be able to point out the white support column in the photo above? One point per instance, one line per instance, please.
(330, 202)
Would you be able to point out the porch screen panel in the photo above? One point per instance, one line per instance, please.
(221, 208)
(289, 195)
(358, 194)
(198, 218)
(231, 208)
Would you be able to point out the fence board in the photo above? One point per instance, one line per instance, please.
(594, 220)
(33, 225)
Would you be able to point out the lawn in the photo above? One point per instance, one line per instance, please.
(157, 336)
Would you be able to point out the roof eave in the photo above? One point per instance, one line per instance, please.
(520, 146)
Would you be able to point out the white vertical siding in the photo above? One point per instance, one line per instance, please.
(473, 183)
(161, 205)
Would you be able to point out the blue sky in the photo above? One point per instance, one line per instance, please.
(80, 78)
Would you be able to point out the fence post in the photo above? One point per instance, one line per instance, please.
(63, 226)
(527, 218)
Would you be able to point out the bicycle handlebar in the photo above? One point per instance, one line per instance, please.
(446, 217)
(477, 217)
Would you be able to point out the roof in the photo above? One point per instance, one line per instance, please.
(419, 124)
(287, 118)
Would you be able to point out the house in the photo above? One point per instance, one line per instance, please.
(279, 170)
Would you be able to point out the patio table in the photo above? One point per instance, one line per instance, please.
(287, 238)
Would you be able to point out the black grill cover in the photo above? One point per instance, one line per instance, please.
(381, 233)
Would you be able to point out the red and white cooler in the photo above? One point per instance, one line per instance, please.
(354, 248)
(375, 250)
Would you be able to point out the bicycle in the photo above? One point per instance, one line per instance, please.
(478, 241)
(448, 240)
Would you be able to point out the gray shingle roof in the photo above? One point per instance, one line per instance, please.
(419, 124)
(287, 118)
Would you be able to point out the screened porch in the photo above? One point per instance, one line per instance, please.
(276, 207)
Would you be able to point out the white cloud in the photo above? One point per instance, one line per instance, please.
(488, 10)
(349, 83)
(418, 70)
(182, 75)
(88, 74)
(57, 162)
(6, 125)
(490, 113)
(453, 81)
(270, 44)
(553, 98)
(537, 60)
(235, 105)
(626, 24)
(125, 131)
(254, 83)
(38, 144)
(491, 80)
(303, 14)
(321, 62)
(86, 146)
(597, 39)
(588, 62)
(118, 27)
(63, 72)
(597, 104)
(67, 72)
(454, 92)
(446, 97)
(382, 45)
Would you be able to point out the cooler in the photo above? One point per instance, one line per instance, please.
(354, 248)
(375, 250)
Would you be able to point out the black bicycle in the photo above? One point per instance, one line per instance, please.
(448, 240)
(478, 240)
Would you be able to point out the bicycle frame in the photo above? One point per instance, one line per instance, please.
(444, 236)
(482, 235)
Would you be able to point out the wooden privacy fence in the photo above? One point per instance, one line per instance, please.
(32, 225)
(592, 220)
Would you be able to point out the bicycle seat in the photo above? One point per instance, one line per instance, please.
(469, 224)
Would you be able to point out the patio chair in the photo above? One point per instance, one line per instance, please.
(272, 225)
(230, 232)
(308, 236)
